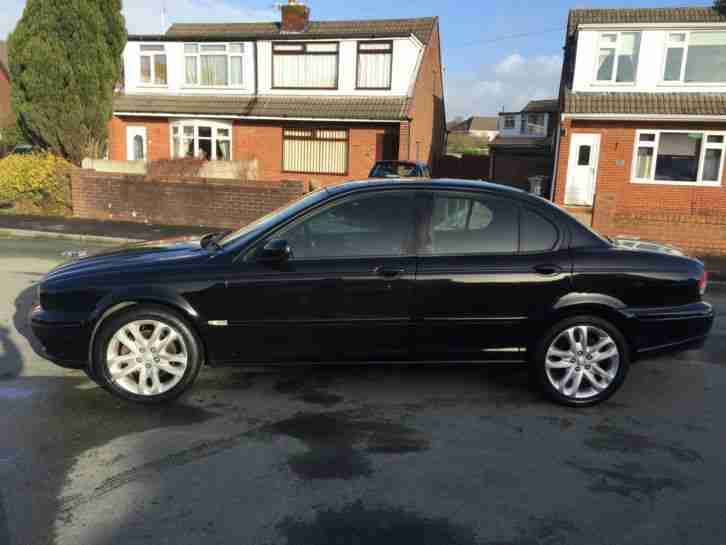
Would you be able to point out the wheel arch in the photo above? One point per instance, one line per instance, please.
(601, 306)
(120, 301)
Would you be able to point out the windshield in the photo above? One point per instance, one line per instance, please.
(290, 209)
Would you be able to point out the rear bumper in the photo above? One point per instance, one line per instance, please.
(64, 337)
(672, 329)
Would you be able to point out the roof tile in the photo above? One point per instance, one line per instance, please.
(422, 28)
(646, 103)
(643, 15)
(353, 108)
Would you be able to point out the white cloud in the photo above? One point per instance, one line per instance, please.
(144, 16)
(505, 85)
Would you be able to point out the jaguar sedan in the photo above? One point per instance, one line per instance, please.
(378, 272)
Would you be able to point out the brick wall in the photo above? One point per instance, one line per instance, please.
(515, 168)
(428, 125)
(690, 217)
(202, 202)
(262, 141)
(158, 138)
(4, 95)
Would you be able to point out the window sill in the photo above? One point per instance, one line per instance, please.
(689, 85)
(213, 88)
(681, 184)
(612, 84)
(152, 86)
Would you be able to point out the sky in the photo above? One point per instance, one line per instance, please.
(497, 54)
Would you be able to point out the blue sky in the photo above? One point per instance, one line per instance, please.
(485, 71)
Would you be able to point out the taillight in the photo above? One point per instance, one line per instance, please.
(703, 282)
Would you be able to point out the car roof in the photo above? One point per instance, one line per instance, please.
(396, 162)
(419, 183)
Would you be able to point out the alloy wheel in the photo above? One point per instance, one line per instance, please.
(147, 357)
(582, 362)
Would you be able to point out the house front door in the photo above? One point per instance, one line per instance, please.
(136, 143)
(582, 170)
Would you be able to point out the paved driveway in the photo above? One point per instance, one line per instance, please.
(384, 456)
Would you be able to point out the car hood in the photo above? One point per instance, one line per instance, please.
(137, 255)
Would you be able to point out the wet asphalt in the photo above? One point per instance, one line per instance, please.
(354, 455)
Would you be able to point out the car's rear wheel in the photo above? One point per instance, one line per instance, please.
(581, 361)
(147, 355)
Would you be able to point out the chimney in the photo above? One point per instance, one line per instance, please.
(295, 17)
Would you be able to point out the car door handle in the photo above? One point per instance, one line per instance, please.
(548, 270)
(387, 272)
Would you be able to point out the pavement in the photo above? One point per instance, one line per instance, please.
(98, 231)
(454, 455)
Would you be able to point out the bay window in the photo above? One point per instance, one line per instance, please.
(214, 65)
(695, 57)
(679, 157)
(618, 57)
(305, 65)
(152, 60)
(375, 65)
(315, 151)
(207, 140)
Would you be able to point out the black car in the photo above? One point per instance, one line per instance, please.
(400, 169)
(381, 271)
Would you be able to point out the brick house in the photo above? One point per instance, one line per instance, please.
(306, 100)
(525, 147)
(643, 124)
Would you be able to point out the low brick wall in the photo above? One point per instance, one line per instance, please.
(701, 233)
(167, 201)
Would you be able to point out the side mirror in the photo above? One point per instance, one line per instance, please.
(275, 251)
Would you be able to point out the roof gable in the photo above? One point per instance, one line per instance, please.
(643, 15)
(422, 28)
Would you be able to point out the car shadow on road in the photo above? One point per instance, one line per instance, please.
(11, 361)
(23, 302)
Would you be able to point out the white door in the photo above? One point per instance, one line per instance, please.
(136, 143)
(582, 171)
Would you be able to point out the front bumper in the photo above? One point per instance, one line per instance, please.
(64, 337)
(672, 329)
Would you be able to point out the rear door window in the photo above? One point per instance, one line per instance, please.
(461, 225)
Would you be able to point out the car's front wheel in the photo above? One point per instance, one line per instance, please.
(147, 355)
(581, 361)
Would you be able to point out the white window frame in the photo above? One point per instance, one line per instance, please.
(229, 54)
(524, 129)
(602, 45)
(196, 123)
(513, 119)
(686, 45)
(152, 55)
(655, 145)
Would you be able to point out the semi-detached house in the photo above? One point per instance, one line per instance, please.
(643, 124)
(307, 100)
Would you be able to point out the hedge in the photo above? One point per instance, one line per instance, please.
(37, 183)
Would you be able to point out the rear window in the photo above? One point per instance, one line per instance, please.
(538, 233)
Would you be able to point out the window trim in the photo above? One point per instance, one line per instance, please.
(196, 123)
(229, 54)
(371, 53)
(667, 44)
(304, 51)
(613, 78)
(152, 55)
(655, 145)
(506, 117)
(316, 128)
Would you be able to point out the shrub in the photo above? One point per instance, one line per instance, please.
(37, 183)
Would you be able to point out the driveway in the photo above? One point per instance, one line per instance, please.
(353, 455)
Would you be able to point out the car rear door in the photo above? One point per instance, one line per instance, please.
(483, 282)
(345, 294)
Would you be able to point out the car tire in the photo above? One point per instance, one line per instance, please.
(577, 374)
(146, 354)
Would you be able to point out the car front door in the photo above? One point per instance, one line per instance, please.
(343, 295)
(482, 281)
